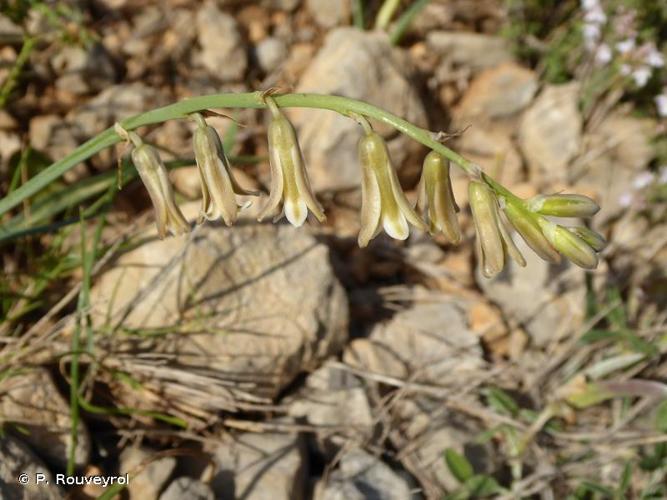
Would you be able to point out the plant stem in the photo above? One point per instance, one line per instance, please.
(386, 13)
(405, 20)
(15, 73)
(251, 100)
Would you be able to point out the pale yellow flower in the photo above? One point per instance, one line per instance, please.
(218, 185)
(289, 180)
(383, 203)
(436, 198)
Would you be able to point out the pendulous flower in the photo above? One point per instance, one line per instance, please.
(153, 173)
(289, 180)
(436, 199)
(493, 239)
(383, 203)
(218, 186)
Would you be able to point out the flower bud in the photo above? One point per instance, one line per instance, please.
(154, 175)
(219, 188)
(594, 240)
(289, 180)
(484, 209)
(563, 205)
(527, 226)
(569, 244)
(383, 203)
(436, 198)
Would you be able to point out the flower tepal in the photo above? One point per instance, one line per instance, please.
(289, 180)
(218, 186)
(436, 198)
(383, 203)
(153, 173)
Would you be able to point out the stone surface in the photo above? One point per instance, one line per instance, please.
(32, 400)
(427, 430)
(252, 305)
(491, 145)
(361, 476)
(81, 71)
(333, 397)
(475, 50)
(428, 343)
(149, 479)
(271, 53)
(17, 459)
(550, 132)
(619, 150)
(112, 104)
(498, 92)
(186, 487)
(260, 466)
(329, 13)
(547, 300)
(361, 65)
(222, 50)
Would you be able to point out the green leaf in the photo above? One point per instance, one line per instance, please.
(482, 485)
(661, 417)
(458, 465)
(501, 401)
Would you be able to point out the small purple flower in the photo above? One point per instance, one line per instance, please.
(625, 200)
(625, 46)
(661, 104)
(641, 75)
(603, 54)
(642, 180)
(591, 34)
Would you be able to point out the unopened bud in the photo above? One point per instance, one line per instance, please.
(595, 240)
(527, 226)
(563, 205)
(569, 244)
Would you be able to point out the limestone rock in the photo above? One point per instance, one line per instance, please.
(112, 104)
(362, 476)
(17, 459)
(249, 306)
(33, 401)
(360, 65)
(430, 343)
(271, 53)
(498, 92)
(620, 149)
(186, 487)
(261, 467)
(548, 300)
(333, 397)
(329, 13)
(550, 132)
(222, 51)
(147, 481)
(475, 50)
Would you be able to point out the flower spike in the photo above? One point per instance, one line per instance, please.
(383, 203)
(436, 199)
(153, 173)
(289, 179)
(218, 185)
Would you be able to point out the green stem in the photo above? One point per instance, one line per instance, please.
(252, 100)
(13, 77)
(386, 13)
(405, 20)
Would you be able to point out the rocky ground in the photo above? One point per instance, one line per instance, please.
(262, 361)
